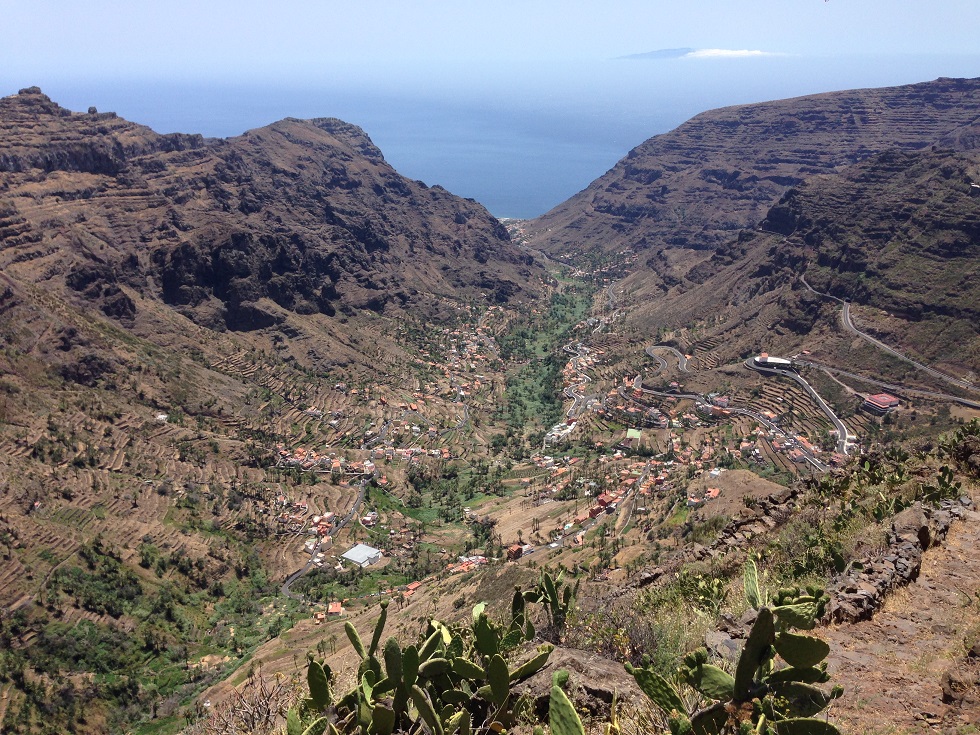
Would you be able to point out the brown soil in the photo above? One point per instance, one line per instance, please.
(891, 666)
(736, 486)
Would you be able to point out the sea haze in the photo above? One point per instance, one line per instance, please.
(518, 140)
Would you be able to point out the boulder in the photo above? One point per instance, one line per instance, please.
(593, 682)
(913, 524)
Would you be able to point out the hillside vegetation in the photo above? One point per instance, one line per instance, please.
(226, 363)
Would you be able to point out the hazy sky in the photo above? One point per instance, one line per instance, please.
(209, 39)
(518, 104)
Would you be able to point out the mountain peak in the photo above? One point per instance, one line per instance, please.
(304, 216)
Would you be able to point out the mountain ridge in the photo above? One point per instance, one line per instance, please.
(735, 162)
(225, 360)
(214, 226)
(718, 220)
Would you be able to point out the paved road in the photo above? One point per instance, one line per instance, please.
(661, 363)
(842, 433)
(309, 564)
(739, 411)
(611, 305)
(681, 358)
(848, 324)
(894, 387)
(578, 399)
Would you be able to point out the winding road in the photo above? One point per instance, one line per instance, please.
(848, 323)
(681, 358)
(842, 433)
(894, 387)
(579, 400)
(702, 402)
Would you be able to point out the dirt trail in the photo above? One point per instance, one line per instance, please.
(891, 666)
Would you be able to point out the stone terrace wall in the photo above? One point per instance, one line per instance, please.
(861, 590)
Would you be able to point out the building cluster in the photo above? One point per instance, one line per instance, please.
(696, 500)
(290, 516)
(796, 448)
(631, 414)
(559, 433)
(325, 462)
(467, 564)
(467, 350)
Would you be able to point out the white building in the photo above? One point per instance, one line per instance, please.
(778, 363)
(362, 555)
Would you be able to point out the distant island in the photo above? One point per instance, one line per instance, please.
(663, 53)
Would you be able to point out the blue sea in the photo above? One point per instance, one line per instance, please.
(519, 139)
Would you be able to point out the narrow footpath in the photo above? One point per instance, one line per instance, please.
(892, 666)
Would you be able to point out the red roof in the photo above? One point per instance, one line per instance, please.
(882, 400)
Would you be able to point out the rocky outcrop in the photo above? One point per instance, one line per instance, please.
(93, 142)
(299, 217)
(697, 185)
(593, 683)
(765, 514)
(961, 686)
(861, 590)
(705, 219)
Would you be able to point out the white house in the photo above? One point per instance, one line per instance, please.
(362, 554)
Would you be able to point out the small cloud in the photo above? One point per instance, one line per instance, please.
(664, 53)
(700, 53)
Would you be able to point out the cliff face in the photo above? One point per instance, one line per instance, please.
(301, 217)
(696, 186)
(867, 192)
(899, 232)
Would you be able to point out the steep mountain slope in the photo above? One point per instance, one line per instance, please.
(226, 283)
(692, 189)
(181, 321)
(306, 215)
(899, 233)
(896, 235)
(868, 192)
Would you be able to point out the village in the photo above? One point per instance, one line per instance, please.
(634, 452)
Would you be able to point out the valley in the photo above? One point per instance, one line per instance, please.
(254, 391)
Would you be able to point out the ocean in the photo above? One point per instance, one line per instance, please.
(518, 140)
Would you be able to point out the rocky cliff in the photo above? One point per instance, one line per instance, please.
(870, 193)
(298, 217)
(899, 232)
(694, 188)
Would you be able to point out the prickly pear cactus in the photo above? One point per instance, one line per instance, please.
(774, 690)
(562, 717)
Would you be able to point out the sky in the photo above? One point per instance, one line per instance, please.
(518, 104)
(256, 38)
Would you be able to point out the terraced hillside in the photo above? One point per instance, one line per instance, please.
(716, 221)
(203, 343)
(695, 187)
(899, 232)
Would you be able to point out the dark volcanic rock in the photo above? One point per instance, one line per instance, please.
(899, 232)
(304, 215)
(869, 192)
(697, 185)
(593, 683)
(861, 590)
